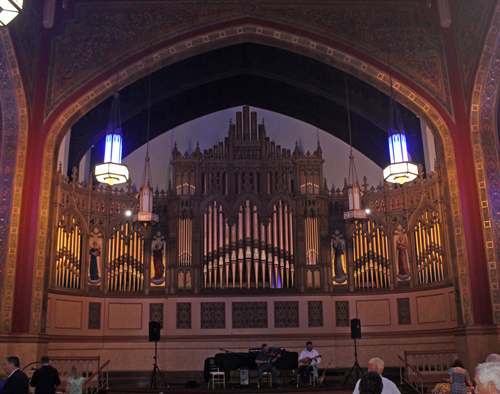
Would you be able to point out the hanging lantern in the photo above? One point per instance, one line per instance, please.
(400, 170)
(146, 214)
(9, 9)
(146, 197)
(353, 192)
(112, 171)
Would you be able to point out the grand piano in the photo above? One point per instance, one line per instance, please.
(228, 362)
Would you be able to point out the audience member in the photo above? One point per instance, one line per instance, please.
(17, 381)
(377, 365)
(487, 378)
(45, 379)
(75, 382)
(493, 358)
(371, 383)
(459, 378)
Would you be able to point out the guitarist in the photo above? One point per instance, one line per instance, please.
(308, 359)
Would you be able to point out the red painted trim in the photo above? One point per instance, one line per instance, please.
(38, 133)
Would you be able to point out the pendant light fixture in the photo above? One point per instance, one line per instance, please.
(146, 214)
(112, 171)
(353, 191)
(9, 9)
(400, 170)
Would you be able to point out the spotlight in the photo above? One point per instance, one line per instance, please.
(368, 211)
(128, 212)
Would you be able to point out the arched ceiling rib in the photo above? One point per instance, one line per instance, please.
(259, 76)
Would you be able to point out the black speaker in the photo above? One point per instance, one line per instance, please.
(355, 328)
(154, 331)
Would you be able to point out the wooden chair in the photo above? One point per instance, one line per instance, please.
(217, 377)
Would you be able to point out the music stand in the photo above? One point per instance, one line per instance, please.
(154, 335)
(355, 367)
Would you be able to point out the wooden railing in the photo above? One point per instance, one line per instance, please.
(411, 376)
(98, 381)
(431, 362)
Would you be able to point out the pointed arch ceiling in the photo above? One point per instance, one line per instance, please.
(249, 74)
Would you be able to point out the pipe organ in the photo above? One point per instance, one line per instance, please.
(372, 268)
(249, 214)
(125, 259)
(428, 250)
(68, 253)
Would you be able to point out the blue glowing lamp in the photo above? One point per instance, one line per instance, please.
(112, 171)
(400, 170)
(9, 9)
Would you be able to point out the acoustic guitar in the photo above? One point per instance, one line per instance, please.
(322, 380)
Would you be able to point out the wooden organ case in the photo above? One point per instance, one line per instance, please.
(248, 214)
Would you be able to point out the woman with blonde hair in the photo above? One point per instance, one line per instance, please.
(75, 382)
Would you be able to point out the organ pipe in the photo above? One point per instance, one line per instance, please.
(248, 255)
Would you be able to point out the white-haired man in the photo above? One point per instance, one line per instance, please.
(493, 358)
(377, 365)
(487, 378)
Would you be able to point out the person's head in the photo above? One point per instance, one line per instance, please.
(309, 345)
(493, 358)
(376, 365)
(457, 363)
(371, 383)
(265, 348)
(10, 364)
(157, 246)
(73, 373)
(487, 378)
(94, 244)
(45, 360)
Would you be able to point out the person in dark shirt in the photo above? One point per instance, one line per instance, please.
(46, 379)
(264, 361)
(17, 381)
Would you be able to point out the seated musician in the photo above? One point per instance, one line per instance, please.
(308, 358)
(264, 360)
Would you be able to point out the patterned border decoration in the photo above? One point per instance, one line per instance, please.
(249, 314)
(484, 139)
(123, 23)
(94, 316)
(213, 315)
(156, 313)
(315, 313)
(15, 127)
(404, 311)
(183, 315)
(286, 314)
(249, 32)
(342, 313)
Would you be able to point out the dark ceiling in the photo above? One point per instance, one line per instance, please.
(258, 76)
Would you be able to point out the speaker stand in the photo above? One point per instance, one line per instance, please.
(355, 367)
(153, 379)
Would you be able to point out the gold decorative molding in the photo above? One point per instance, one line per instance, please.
(181, 49)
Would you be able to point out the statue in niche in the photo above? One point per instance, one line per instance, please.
(158, 266)
(95, 261)
(401, 246)
(338, 257)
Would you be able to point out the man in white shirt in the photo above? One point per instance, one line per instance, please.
(377, 365)
(308, 358)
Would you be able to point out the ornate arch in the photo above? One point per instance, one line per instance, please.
(183, 47)
(12, 164)
(484, 131)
